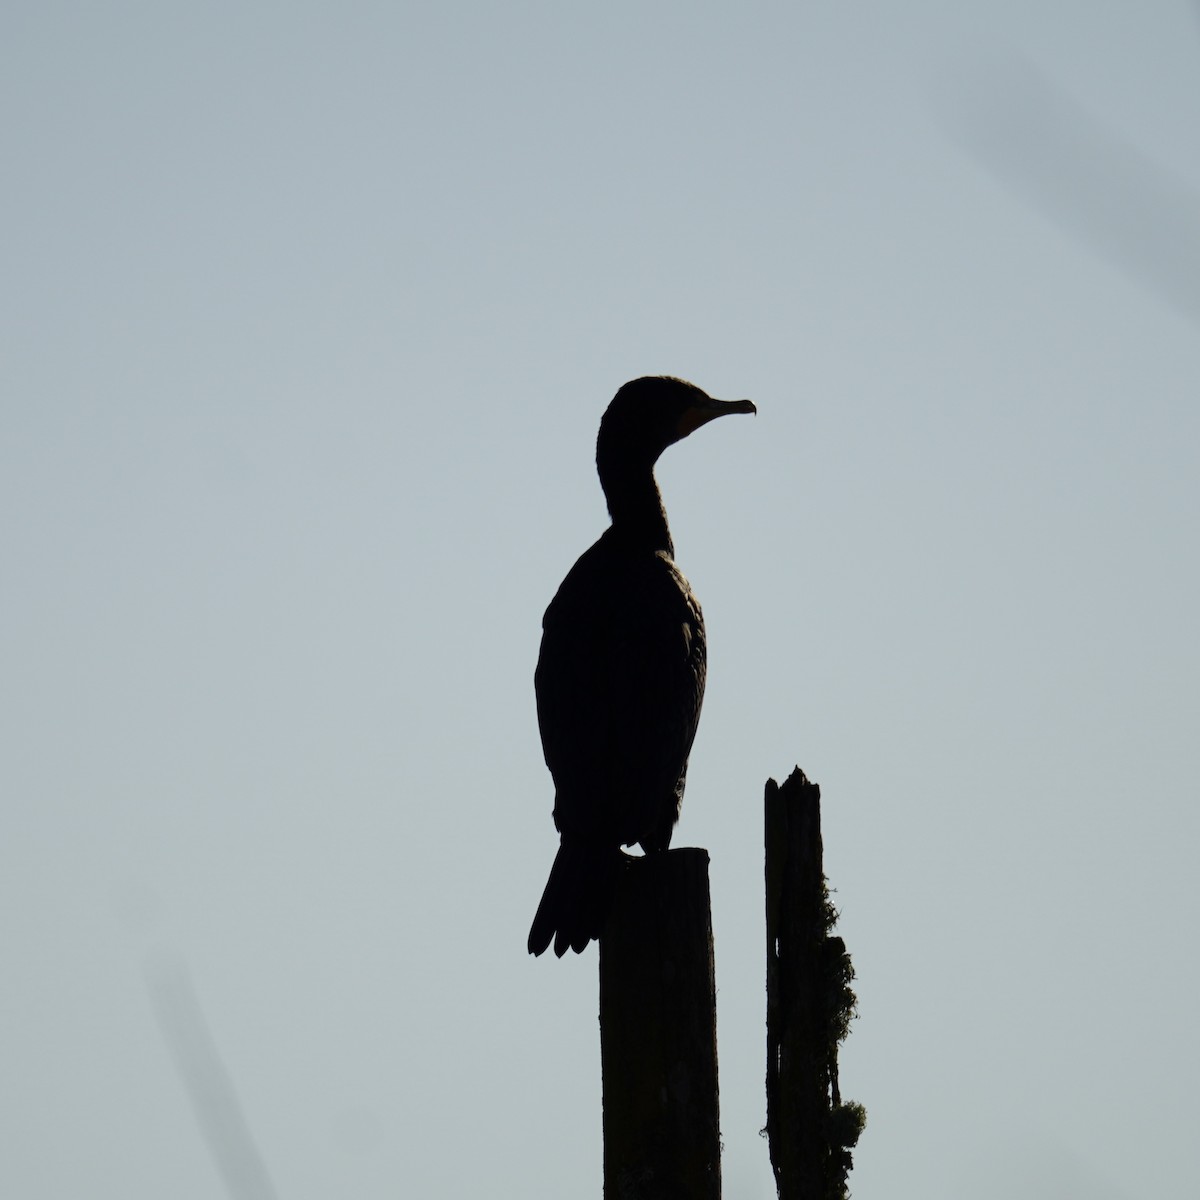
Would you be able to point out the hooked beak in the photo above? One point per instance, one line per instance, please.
(708, 410)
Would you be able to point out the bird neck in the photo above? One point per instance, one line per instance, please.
(636, 507)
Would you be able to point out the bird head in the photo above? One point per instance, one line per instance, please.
(649, 414)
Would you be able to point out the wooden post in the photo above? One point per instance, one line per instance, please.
(658, 1033)
(809, 1003)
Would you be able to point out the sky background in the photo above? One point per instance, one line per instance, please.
(310, 312)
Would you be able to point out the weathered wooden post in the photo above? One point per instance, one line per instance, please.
(658, 1033)
(809, 1003)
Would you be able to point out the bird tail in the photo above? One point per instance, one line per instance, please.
(578, 896)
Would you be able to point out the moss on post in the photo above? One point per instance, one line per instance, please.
(810, 1004)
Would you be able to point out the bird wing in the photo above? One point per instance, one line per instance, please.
(619, 681)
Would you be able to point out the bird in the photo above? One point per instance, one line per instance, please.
(620, 673)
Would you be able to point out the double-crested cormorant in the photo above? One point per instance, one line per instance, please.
(620, 676)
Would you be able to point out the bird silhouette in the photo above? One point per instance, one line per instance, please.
(620, 676)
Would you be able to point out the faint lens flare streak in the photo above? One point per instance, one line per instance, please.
(208, 1084)
(1079, 173)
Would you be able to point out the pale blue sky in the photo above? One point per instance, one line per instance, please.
(310, 312)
